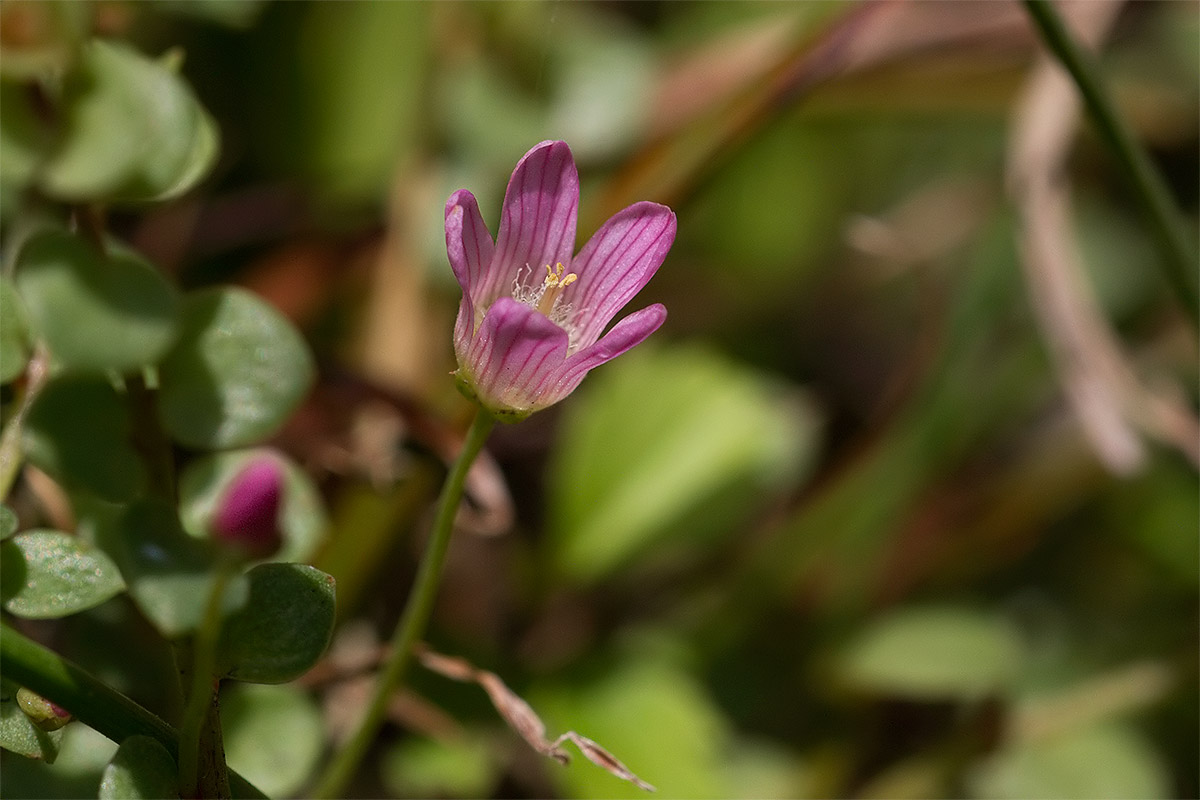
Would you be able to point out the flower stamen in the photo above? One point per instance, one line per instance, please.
(552, 287)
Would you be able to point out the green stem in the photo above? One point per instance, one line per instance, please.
(200, 693)
(411, 626)
(89, 700)
(1177, 257)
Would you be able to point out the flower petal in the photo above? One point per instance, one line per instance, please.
(537, 223)
(626, 334)
(616, 263)
(514, 356)
(468, 242)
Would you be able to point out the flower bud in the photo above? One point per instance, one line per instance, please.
(46, 715)
(246, 518)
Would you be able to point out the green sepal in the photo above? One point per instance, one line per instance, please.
(302, 516)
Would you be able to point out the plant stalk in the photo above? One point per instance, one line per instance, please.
(413, 621)
(1178, 258)
(198, 712)
(90, 701)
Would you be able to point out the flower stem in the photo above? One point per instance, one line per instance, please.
(411, 626)
(1177, 257)
(91, 701)
(200, 693)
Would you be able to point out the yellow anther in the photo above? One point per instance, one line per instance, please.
(555, 282)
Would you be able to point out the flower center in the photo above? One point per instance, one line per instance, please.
(546, 297)
(552, 287)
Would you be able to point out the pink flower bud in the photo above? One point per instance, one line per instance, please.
(247, 515)
(45, 714)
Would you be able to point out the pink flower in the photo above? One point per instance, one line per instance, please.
(246, 518)
(530, 322)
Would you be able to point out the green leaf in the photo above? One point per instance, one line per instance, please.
(273, 736)
(49, 574)
(8, 522)
(934, 653)
(14, 340)
(669, 445)
(170, 574)
(96, 312)
(302, 516)
(78, 432)
(82, 755)
(19, 734)
(419, 767)
(284, 627)
(237, 372)
(141, 768)
(134, 130)
(1101, 761)
(22, 135)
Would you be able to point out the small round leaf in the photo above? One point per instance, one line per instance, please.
(48, 574)
(96, 312)
(141, 768)
(283, 628)
(237, 372)
(134, 130)
(302, 517)
(1107, 760)
(78, 431)
(935, 653)
(273, 736)
(170, 574)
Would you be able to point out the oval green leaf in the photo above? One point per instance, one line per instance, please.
(14, 341)
(934, 653)
(284, 627)
(170, 574)
(133, 130)
(273, 736)
(141, 768)
(96, 311)
(302, 517)
(669, 445)
(50, 574)
(78, 432)
(237, 372)
(1101, 761)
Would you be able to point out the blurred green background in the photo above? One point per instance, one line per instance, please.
(836, 530)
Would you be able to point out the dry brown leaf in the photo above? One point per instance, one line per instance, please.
(523, 719)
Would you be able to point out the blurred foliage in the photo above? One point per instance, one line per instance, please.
(835, 532)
